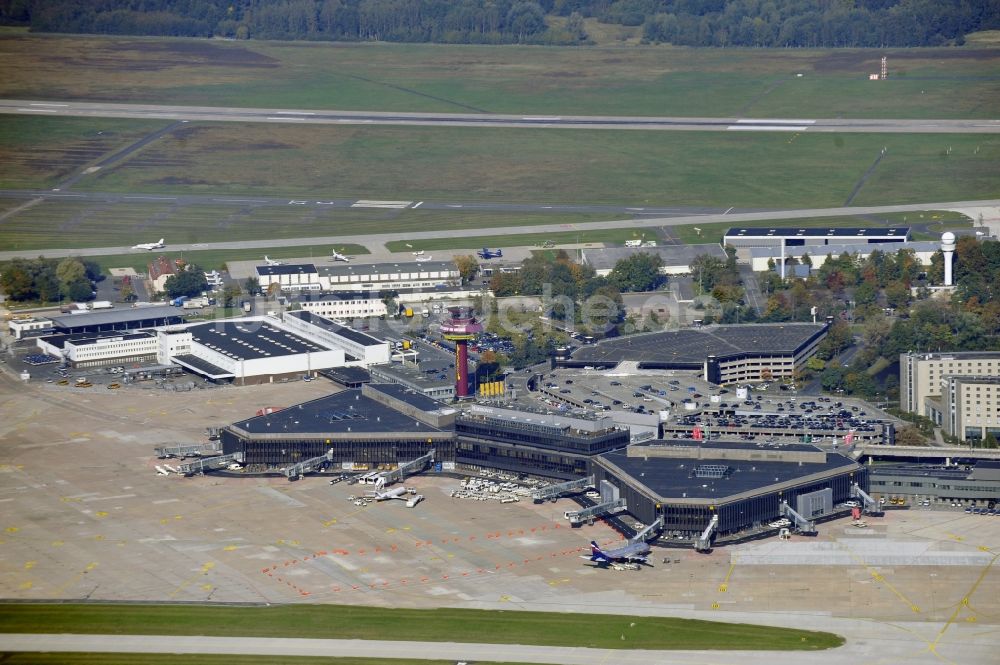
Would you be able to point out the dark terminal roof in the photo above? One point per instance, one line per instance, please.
(246, 340)
(291, 269)
(341, 413)
(691, 478)
(692, 346)
(350, 334)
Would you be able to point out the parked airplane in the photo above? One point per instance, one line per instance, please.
(398, 493)
(337, 256)
(419, 252)
(423, 259)
(487, 253)
(160, 471)
(273, 262)
(149, 245)
(632, 553)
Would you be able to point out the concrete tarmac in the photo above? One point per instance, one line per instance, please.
(334, 117)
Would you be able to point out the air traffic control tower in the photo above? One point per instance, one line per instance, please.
(460, 329)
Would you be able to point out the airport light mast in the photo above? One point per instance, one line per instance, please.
(460, 328)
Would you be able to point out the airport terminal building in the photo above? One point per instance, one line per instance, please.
(743, 483)
(725, 354)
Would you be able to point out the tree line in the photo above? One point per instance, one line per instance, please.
(720, 23)
(49, 280)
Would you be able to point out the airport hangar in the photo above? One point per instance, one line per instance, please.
(725, 354)
(386, 425)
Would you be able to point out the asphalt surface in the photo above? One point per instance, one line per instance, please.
(318, 116)
(375, 240)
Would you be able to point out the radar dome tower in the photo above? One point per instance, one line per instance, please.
(460, 328)
(948, 249)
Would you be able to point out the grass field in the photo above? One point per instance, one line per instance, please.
(937, 220)
(37, 153)
(205, 659)
(633, 80)
(68, 224)
(555, 166)
(215, 259)
(613, 236)
(440, 625)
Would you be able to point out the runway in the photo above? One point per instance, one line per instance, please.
(334, 117)
(378, 239)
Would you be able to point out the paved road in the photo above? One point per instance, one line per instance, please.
(318, 116)
(375, 240)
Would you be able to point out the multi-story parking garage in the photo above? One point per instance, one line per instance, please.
(724, 354)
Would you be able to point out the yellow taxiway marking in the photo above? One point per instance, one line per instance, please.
(330, 522)
(76, 578)
(724, 587)
(229, 548)
(932, 647)
(30, 564)
(205, 568)
(57, 543)
(12, 529)
(504, 599)
(101, 513)
(27, 585)
(879, 577)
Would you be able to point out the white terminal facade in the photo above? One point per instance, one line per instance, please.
(958, 391)
(372, 277)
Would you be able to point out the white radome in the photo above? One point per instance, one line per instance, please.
(948, 238)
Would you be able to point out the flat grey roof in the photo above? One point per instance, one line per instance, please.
(691, 347)
(290, 269)
(899, 232)
(82, 339)
(674, 478)
(346, 411)
(672, 255)
(355, 336)
(247, 340)
(407, 396)
(125, 315)
(386, 268)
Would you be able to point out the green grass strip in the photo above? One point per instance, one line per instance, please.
(438, 625)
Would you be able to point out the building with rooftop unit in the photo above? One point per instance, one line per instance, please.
(367, 428)
(676, 258)
(421, 275)
(968, 407)
(743, 483)
(116, 320)
(361, 348)
(724, 354)
(96, 350)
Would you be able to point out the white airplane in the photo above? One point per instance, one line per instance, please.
(337, 256)
(160, 471)
(273, 262)
(214, 274)
(171, 469)
(149, 245)
(423, 259)
(419, 252)
(398, 493)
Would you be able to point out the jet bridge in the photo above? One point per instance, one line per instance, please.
(296, 471)
(704, 542)
(199, 450)
(802, 524)
(871, 506)
(209, 464)
(578, 517)
(406, 469)
(644, 534)
(555, 491)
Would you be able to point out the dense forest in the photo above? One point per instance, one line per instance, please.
(753, 23)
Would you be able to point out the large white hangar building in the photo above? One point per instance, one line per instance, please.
(264, 349)
(360, 276)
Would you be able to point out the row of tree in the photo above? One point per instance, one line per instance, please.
(683, 22)
(49, 280)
